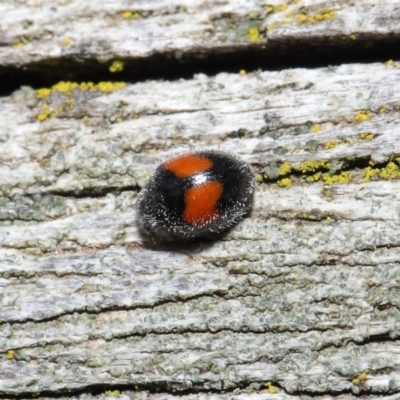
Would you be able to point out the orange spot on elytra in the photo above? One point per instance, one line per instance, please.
(188, 165)
(201, 203)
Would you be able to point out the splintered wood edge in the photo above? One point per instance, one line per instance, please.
(300, 285)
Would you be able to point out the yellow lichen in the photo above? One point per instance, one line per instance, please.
(46, 113)
(313, 178)
(85, 118)
(331, 144)
(316, 128)
(353, 37)
(391, 171)
(87, 86)
(271, 387)
(116, 66)
(350, 142)
(42, 93)
(41, 117)
(285, 182)
(70, 104)
(366, 136)
(254, 35)
(113, 393)
(382, 110)
(389, 63)
(302, 19)
(310, 217)
(242, 72)
(362, 116)
(259, 177)
(285, 169)
(10, 354)
(342, 178)
(312, 166)
(327, 193)
(66, 88)
(66, 41)
(369, 173)
(110, 86)
(130, 15)
(301, 16)
(278, 8)
(360, 378)
(323, 15)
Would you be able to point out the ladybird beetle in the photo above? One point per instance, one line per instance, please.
(197, 194)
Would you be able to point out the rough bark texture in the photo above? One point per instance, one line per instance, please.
(299, 299)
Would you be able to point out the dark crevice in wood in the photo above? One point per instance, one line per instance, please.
(174, 300)
(272, 55)
(377, 338)
(179, 388)
(93, 192)
(154, 388)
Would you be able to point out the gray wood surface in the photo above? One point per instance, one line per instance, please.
(44, 30)
(300, 299)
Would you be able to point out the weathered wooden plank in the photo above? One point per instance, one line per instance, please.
(303, 293)
(278, 114)
(41, 31)
(300, 298)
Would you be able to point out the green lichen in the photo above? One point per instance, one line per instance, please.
(36, 208)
